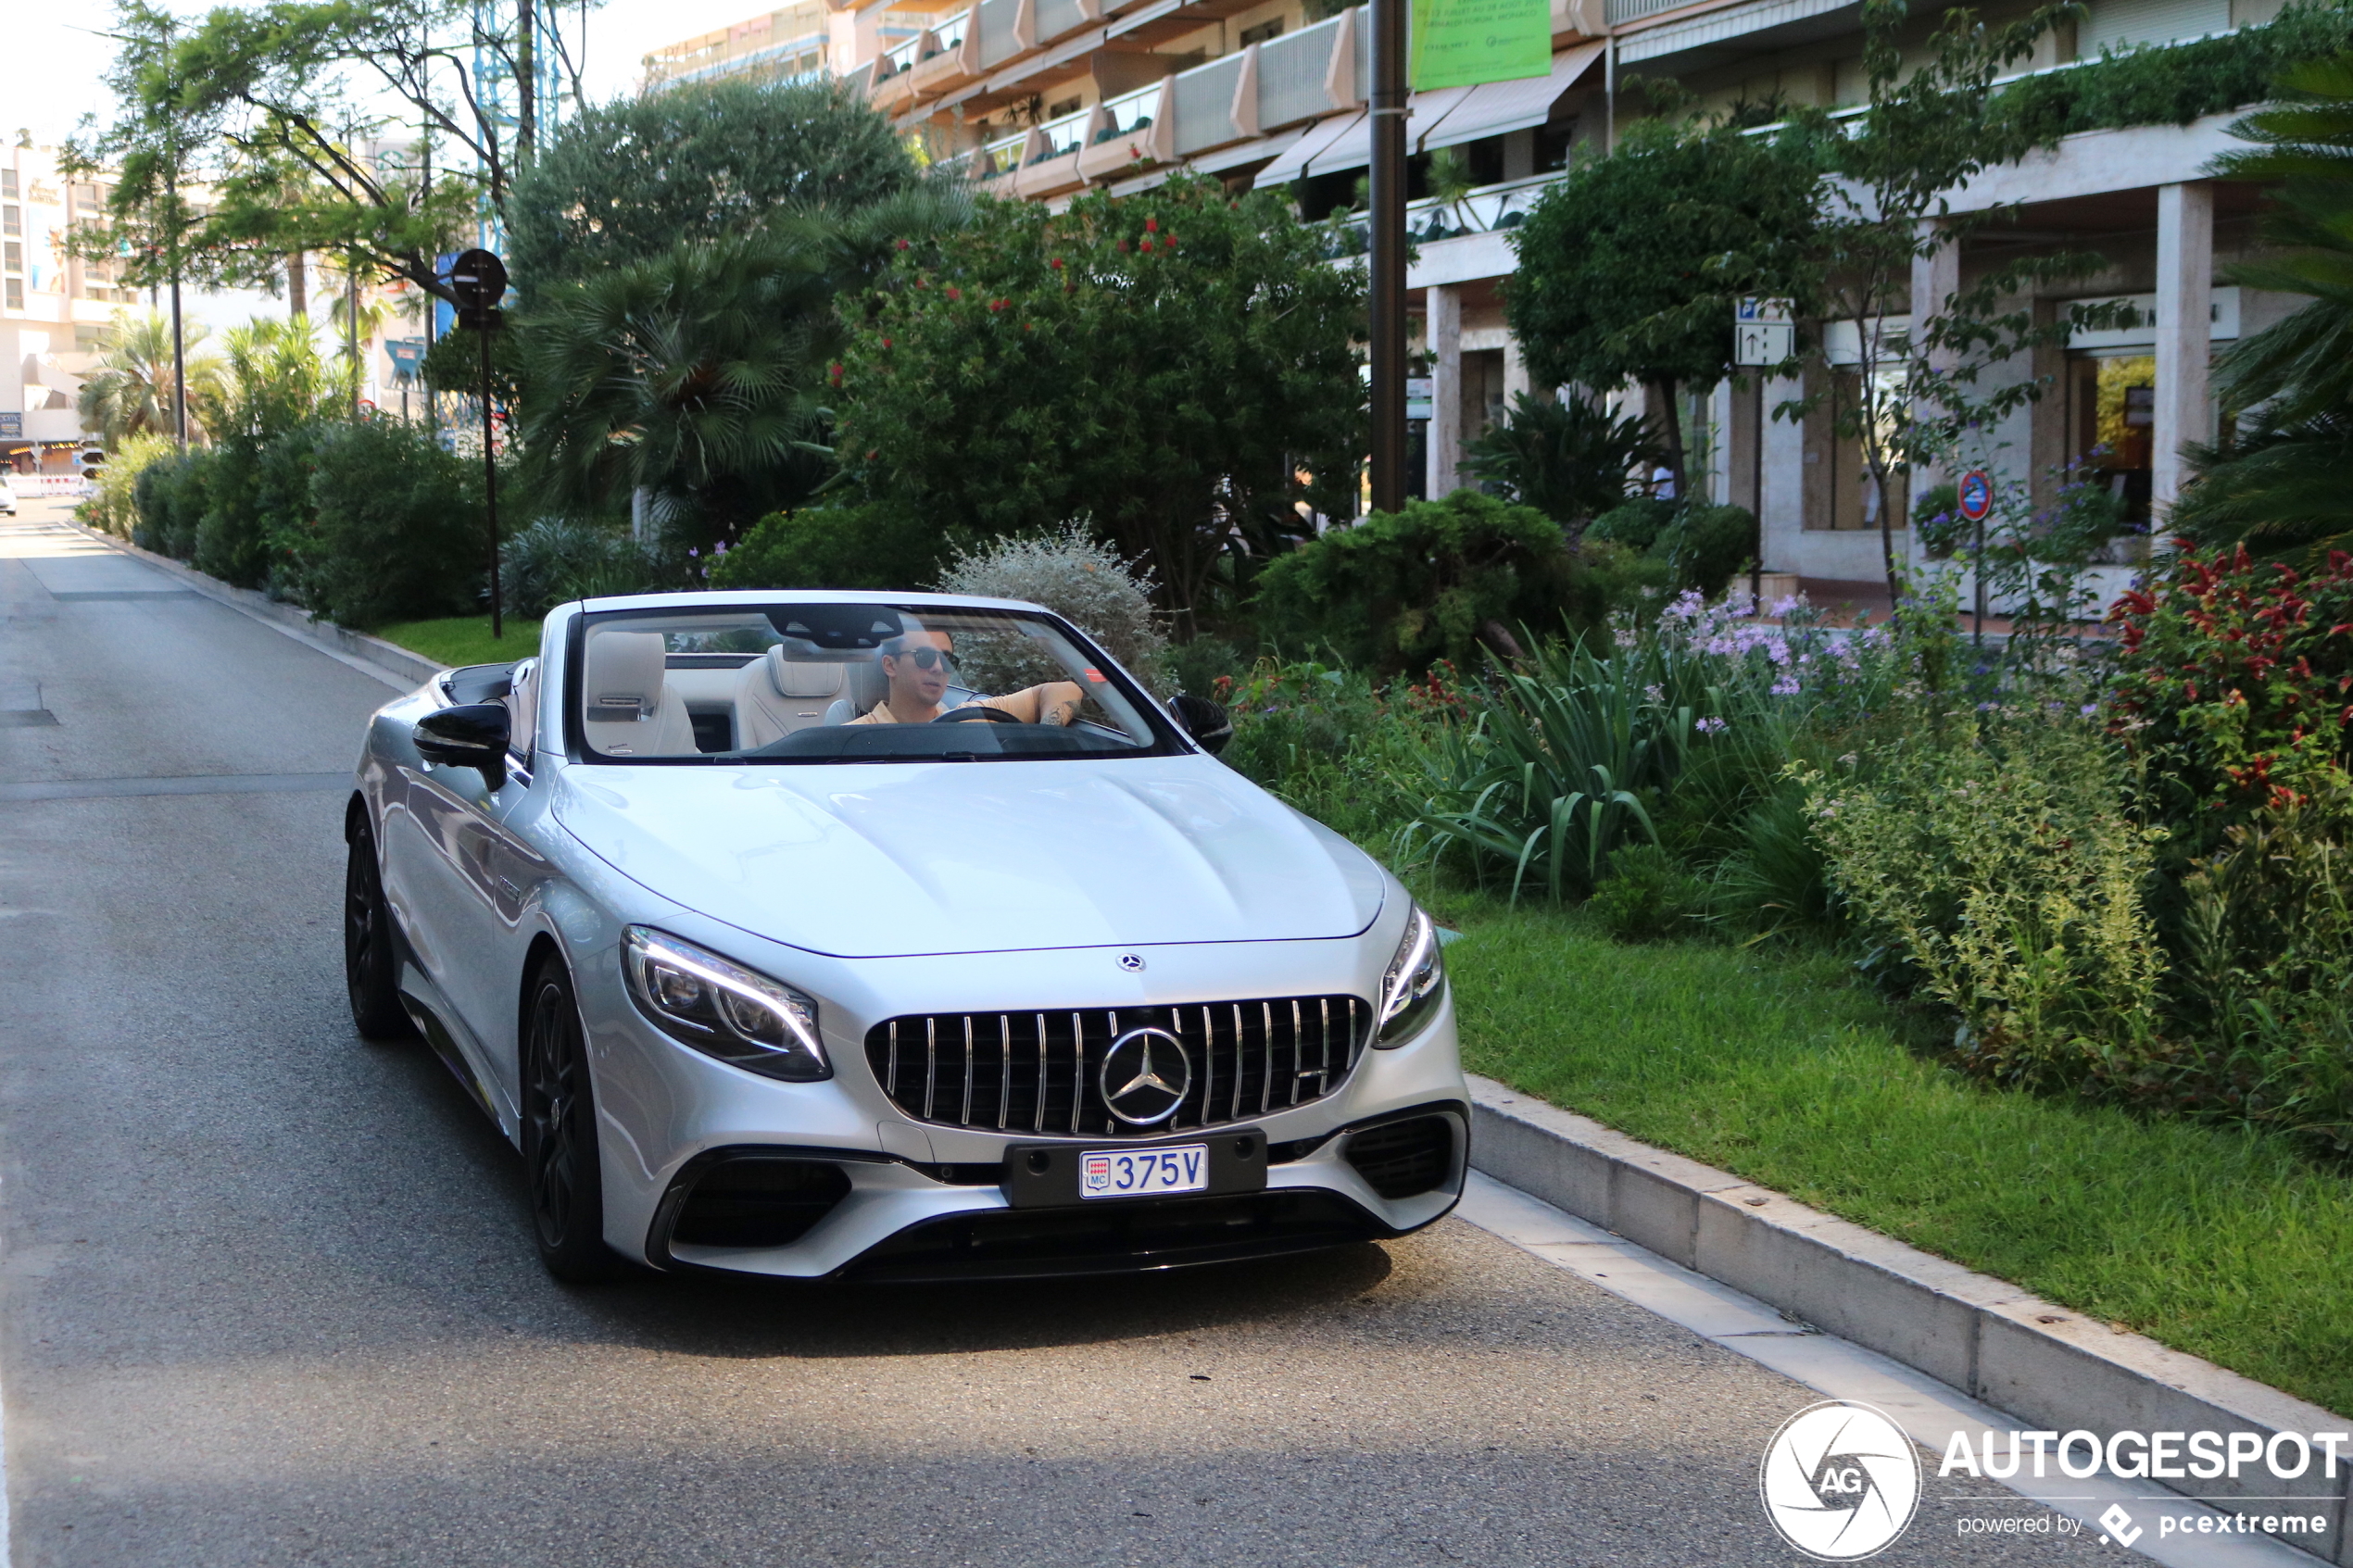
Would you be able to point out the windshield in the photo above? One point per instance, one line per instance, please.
(850, 683)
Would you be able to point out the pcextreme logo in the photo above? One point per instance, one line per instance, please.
(1840, 1481)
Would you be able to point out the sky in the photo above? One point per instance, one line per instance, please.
(57, 57)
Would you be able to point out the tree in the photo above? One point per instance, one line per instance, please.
(1628, 269)
(1568, 458)
(628, 180)
(1931, 126)
(2280, 484)
(1177, 369)
(287, 99)
(130, 391)
(697, 376)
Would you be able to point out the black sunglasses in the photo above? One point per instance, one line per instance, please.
(930, 659)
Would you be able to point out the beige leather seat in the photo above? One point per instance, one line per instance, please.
(776, 695)
(628, 708)
(864, 688)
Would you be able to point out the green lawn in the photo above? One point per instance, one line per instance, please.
(465, 639)
(2227, 1245)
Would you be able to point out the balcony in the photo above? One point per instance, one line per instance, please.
(1000, 161)
(1127, 131)
(1050, 164)
(1007, 27)
(1058, 18)
(1309, 73)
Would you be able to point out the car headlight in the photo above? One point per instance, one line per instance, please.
(1413, 986)
(723, 1010)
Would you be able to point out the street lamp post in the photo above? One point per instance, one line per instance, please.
(479, 279)
(1388, 116)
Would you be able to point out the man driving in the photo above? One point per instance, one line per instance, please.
(917, 663)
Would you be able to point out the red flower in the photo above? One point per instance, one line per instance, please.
(833, 372)
(1151, 225)
(902, 244)
(1123, 248)
(1056, 264)
(1169, 241)
(954, 293)
(1146, 247)
(886, 343)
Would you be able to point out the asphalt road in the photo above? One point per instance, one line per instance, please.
(267, 1293)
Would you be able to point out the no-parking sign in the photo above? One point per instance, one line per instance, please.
(1976, 495)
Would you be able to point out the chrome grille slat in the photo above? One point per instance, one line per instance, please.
(1238, 1050)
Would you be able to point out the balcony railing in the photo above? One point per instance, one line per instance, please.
(1056, 18)
(950, 33)
(1620, 11)
(1206, 106)
(1130, 112)
(1000, 28)
(1065, 135)
(1293, 70)
(1003, 157)
(903, 57)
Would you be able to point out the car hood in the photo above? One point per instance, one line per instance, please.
(897, 860)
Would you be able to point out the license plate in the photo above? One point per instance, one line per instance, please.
(1132, 1173)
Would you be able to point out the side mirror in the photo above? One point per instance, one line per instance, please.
(1203, 720)
(473, 734)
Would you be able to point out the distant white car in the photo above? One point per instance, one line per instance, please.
(780, 947)
(7, 494)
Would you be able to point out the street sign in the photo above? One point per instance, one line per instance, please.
(407, 356)
(1464, 43)
(479, 279)
(1977, 495)
(1763, 343)
(1418, 397)
(1762, 332)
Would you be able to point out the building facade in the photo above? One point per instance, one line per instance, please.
(53, 308)
(1041, 98)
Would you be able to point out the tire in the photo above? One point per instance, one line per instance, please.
(559, 1136)
(370, 956)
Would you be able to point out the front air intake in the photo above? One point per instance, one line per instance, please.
(752, 1201)
(1403, 1158)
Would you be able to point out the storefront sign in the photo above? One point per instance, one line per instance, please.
(12, 427)
(1462, 43)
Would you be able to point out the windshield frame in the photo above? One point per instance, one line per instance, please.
(1168, 737)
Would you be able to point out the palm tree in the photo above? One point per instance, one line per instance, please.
(697, 376)
(131, 393)
(275, 379)
(2280, 484)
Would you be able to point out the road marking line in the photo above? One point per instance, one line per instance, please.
(1929, 1411)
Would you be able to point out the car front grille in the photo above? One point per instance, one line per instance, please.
(1039, 1071)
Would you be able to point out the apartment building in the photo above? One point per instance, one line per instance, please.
(1041, 98)
(53, 308)
(792, 42)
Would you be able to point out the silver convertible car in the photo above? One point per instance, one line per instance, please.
(890, 938)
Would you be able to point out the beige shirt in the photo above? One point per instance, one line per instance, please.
(881, 714)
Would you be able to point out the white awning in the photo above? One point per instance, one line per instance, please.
(1295, 159)
(1246, 152)
(1354, 147)
(1496, 108)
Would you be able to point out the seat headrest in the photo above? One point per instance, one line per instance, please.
(625, 674)
(793, 677)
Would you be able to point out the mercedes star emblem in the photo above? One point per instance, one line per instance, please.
(1145, 1076)
(1131, 962)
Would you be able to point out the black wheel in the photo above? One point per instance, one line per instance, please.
(371, 957)
(559, 1136)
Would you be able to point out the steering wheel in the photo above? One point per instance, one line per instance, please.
(977, 713)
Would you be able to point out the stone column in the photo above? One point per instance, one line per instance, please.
(1781, 510)
(1936, 277)
(2185, 333)
(1445, 389)
(1514, 376)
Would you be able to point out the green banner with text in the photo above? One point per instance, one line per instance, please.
(1462, 43)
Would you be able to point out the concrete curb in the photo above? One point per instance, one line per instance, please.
(389, 657)
(2047, 1364)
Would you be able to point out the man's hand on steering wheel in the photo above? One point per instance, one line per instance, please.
(978, 712)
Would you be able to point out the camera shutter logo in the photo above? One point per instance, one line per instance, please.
(1840, 1481)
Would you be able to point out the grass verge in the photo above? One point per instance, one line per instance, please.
(465, 639)
(1774, 1066)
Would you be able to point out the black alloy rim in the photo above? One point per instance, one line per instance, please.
(359, 920)
(554, 1085)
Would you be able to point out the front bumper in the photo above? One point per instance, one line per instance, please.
(875, 1218)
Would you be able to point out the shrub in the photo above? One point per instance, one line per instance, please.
(1705, 545)
(113, 507)
(2232, 680)
(1080, 579)
(259, 491)
(1647, 895)
(1333, 745)
(1996, 859)
(1937, 517)
(1565, 457)
(833, 546)
(169, 497)
(1635, 524)
(1433, 580)
(560, 558)
(396, 530)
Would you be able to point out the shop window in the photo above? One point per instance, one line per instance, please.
(2111, 408)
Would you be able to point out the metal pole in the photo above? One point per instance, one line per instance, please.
(1388, 111)
(351, 323)
(490, 487)
(178, 357)
(1756, 499)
